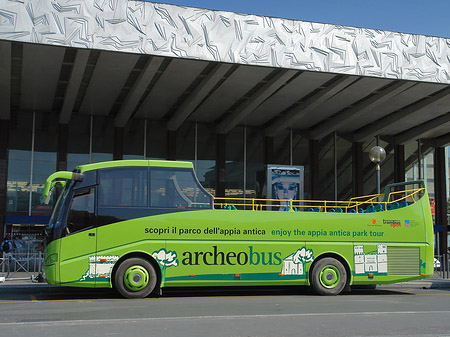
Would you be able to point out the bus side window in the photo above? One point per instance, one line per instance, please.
(123, 187)
(177, 188)
(162, 191)
(81, 213)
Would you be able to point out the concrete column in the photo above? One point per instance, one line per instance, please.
(118, 143)
(440, 192)
(399, 163)
(357, 169)
(171, 153)
(4, 141)
(220, 165)
(268, 150)
(314, 169)
(63, 141)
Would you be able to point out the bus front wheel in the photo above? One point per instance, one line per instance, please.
(135, 278)
(328, 277)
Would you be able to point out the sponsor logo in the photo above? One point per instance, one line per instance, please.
(392, 223)
(407, 224)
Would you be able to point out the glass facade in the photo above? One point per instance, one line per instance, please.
(33, 146)
(344, 169)
(102, 139)
(19, 162)
(326, 168)
(33, 155)
(133, 136)
(234, 163)
(281, 148)
(19, 167)
(300, 157)
(205, 163)
(155, 140)
(78, 141)
(43, 157)
(185, 143)
(255, 172)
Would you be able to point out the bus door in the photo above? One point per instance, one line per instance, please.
(79, 245)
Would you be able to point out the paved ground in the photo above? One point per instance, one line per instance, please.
(40, 310)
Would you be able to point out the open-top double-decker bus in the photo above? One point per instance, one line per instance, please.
(140, 226)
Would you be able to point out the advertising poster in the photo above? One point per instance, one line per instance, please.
(285, 182)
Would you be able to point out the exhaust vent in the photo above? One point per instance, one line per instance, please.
(403, 260)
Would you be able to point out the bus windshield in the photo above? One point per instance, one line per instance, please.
(55, 220)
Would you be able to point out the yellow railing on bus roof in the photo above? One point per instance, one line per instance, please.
(364, 204)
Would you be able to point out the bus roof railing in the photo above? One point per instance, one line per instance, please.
(364, 204)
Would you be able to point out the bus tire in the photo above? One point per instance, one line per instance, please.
(135, 278)
(329, 277)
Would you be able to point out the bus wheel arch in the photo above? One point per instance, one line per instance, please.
(329, 274)
(144, 268)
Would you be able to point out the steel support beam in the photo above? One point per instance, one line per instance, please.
(73, 86)
(255, 100)
(139, 87)
(309, 105)
(419, 131)
(378, 126)
(197, 96)
(342, 118)
(441, 141)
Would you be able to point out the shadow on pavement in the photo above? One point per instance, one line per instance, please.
(52, 293)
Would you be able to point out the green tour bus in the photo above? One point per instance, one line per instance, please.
(142, 225)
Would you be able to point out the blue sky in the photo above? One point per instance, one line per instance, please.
(425, 17)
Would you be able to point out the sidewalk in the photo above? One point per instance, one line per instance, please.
(24, 280)
(429, 283)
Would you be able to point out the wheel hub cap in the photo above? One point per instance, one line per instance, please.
(329, 277)
(136, 278)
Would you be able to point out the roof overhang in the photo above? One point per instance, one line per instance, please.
(136, 59)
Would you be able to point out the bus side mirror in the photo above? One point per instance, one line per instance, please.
(49, 183)
(77, 177)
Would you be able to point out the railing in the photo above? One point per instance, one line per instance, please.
(442, 266)
(20, 265)
(365, 204)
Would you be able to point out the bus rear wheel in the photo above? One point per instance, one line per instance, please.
(329, 277)
(135, 278)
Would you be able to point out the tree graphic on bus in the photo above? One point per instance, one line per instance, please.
(294, 264)
(165, 258)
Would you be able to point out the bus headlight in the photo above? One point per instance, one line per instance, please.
(51, 259)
